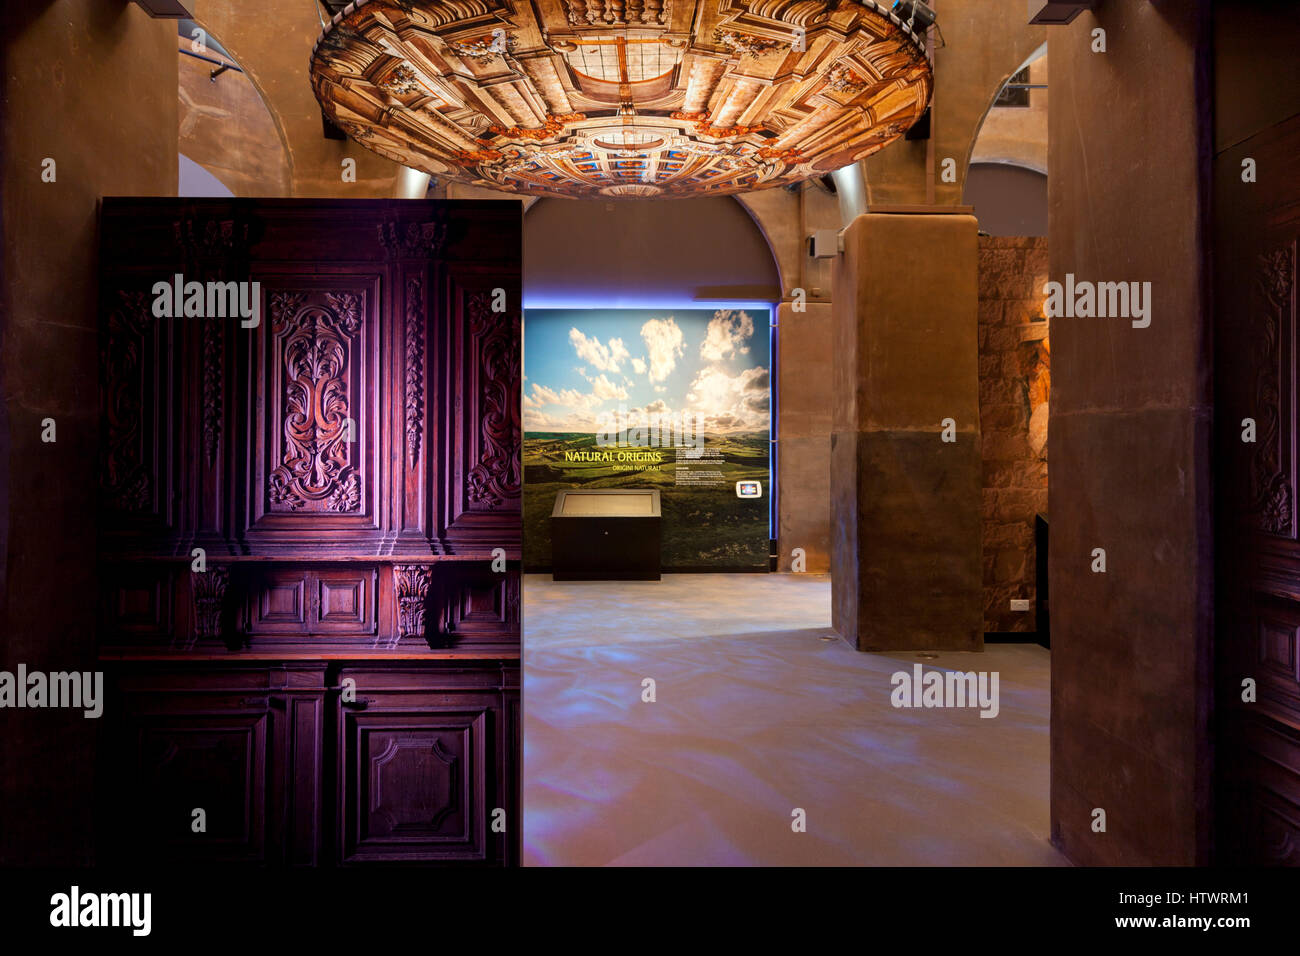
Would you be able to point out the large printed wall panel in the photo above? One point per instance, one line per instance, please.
(678, 400)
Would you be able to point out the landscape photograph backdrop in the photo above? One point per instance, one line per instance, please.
(673, 399)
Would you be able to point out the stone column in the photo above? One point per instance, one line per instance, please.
(90, 87)
(1130, 440)
(803, 410)
(905, 458)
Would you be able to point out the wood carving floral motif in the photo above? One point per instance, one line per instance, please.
(317, 344)
(411, 589)
(206, 237)
(214, 338)
(414, 366)
(124, 475)
(1271, 478)
(417, 240)
(482, 49)
(208, 589)
(496, 479)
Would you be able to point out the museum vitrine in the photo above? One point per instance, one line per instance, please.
(606, 534)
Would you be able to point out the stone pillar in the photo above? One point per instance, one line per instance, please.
(803, 410)
(92, 87)
(1130, 440)
(905, 503)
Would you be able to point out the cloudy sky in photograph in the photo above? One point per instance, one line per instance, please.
(579, 363)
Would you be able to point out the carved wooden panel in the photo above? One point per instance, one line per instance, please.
(137, 406)
(277, 602)
(411, 600)
(209, 610)
(329, 602)
(493, 482)
(243, 743)
(415, 357)
(485, 481)
(345, 601)
(209, 246)
(1277, 650)
(214, 762)
(137, 599)
(414, 785)
(1273, 465)
(413, 373)
(316, 464)
(475, 602)
(1275, 667)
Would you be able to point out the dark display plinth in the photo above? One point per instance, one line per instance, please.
(606, 535)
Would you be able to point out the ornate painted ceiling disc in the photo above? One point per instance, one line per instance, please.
(622, 98)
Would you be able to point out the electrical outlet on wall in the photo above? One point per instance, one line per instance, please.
(1018, 604)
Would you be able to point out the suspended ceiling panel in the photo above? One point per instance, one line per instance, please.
(621, 98)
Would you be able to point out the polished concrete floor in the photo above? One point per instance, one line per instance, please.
(759, 712)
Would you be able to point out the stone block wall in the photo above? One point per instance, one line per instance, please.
(1014, 382)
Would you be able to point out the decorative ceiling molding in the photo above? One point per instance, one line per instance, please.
(621, 98)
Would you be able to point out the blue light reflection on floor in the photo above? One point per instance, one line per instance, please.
(756, 715)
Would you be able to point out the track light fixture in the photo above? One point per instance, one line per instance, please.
(917, 15)
(1057, 12)
(164, 9)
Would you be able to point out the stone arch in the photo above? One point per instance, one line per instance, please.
(233, 118)
(1036, 164)
(269, 42)
(627, 251)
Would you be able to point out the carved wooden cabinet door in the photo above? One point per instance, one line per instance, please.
(222, 764)
(420, 769)
(190, 777)
(316, 404)
(481, 408)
